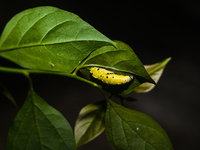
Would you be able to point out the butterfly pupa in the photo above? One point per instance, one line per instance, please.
(109, 77)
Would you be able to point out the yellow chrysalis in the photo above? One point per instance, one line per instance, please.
(109, 77)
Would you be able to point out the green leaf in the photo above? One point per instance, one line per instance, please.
(90, 123)
(39, 126)
(122, 60)
(155, 71)
(127, 129)
(48, 38)
(7, 94)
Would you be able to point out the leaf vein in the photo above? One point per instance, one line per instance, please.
(14, 28)
(33, 25)
(34, 111)
(52, 124)
(21, 123)
(41, 41)
(125, 135)
(128, 124)
(78, 33)
(30, 136)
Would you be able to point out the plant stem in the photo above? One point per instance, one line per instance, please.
(26, 72)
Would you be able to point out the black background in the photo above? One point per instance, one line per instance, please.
(155, 30)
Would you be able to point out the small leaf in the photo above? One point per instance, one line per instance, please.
(90, 123)
(127, 129)
(122, 60)
(7, 94)
(155, 71)
(39, 126)
(48, 38)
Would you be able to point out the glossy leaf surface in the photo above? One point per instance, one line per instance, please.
(90, 122)
(121, 60)
(48, 38)
(39, 126)
(155, 71)
(127, 129)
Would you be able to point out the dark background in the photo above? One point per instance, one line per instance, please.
(155, 30)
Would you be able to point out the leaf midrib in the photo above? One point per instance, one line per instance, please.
(49, 44)
(39, 109)
(131, 127)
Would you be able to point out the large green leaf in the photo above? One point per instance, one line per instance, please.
(49, 38)
(90, 122)
(122, 60)
(155, 71)
(39, 126)
(127, 129)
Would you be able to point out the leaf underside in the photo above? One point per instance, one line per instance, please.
(90, 122)
(155, 71)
